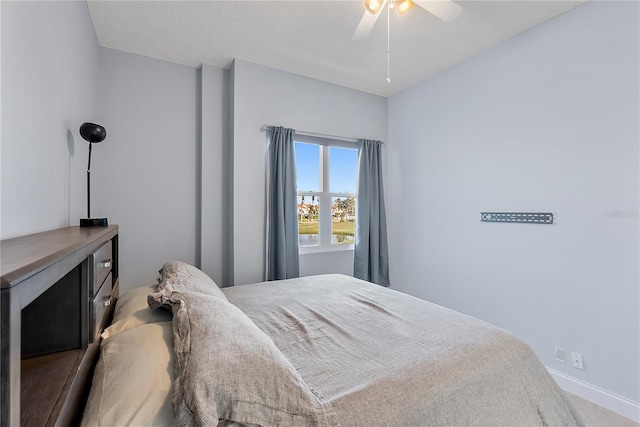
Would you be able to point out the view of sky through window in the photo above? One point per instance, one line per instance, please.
(335, 205)
(308, 166)
(343, 166)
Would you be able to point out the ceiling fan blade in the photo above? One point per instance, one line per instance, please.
(446, 10)
(366, 24)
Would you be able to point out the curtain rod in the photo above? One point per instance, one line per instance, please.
(318, 135)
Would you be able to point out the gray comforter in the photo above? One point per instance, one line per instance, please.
(383, 358)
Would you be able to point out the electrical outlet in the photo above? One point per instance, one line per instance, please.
(561, 355)
(576, 359)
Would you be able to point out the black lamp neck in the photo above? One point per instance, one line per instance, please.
(89, 163)
(89, 183)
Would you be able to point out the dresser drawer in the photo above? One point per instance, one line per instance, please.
(100, 266)
(99, 307)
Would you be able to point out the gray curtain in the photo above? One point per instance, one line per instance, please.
(282, 208)
(371, 256)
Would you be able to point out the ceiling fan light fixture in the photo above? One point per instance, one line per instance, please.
(403, 6)
(373, 6)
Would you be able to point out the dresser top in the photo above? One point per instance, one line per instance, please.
(23, 257)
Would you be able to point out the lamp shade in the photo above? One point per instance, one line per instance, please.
(92, 132)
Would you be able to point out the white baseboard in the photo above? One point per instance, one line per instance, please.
(600, 397)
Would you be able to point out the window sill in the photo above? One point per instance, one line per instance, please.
(303, 250)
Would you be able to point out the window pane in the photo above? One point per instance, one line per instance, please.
(343, 220)
(308, 220)
(343, 168)
(308, 166)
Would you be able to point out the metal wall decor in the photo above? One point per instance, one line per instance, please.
(521, 217)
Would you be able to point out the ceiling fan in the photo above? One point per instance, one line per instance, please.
(446, 10)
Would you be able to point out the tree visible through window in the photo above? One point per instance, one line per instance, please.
(326, 195)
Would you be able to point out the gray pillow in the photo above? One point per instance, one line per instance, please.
(178, 276)
(226, 368)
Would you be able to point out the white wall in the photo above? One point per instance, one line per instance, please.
(146, 170)
(327, 262)
(265, 96)
(546, 122)
(49, 88)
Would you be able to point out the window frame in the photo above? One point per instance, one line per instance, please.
(325, 196)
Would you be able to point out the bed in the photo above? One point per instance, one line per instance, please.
(322, 350)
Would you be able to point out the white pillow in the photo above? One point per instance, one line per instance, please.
(132, 310)
(132, 380)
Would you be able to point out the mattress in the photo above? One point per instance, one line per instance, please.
(374, 356)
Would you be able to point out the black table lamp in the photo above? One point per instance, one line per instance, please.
(92, 133)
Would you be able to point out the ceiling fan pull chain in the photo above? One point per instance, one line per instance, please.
(388, 41)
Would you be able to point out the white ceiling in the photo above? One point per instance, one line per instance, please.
(313, 38)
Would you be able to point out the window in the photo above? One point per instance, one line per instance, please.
(326, 196)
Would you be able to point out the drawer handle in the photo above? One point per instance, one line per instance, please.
(106, 264)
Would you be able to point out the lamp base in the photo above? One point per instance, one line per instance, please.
(93, 222)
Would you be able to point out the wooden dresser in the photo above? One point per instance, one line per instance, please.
(57, 292)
